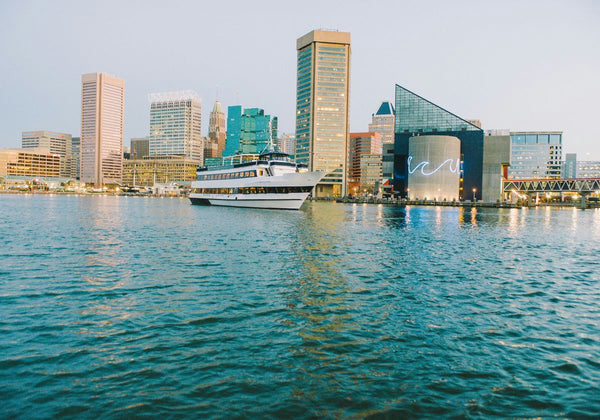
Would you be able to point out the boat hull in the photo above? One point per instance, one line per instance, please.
(265, 201)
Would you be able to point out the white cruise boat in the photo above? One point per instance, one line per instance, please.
(269, 181)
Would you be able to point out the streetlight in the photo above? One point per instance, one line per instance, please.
(474, 191)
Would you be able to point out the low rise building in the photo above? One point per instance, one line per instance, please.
(54, 143)
(140, 147)
(159, 169)
(34, 163)
(588, 169)
(361, 144)
(535, 154)
(370, 173)
(496, 161)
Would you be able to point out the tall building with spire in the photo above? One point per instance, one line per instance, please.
(216, 128)
(322, 100)
(382, 122)
(102, 119)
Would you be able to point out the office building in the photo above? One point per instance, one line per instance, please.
(274, 135)
(234, 130)
(159, 169)
(535, 154)
(322, 99)
(588, 169)
(287, 144)
(76, 156)
(496, 160)
(30, 163)
(570, 166)
(140, 147)
(54, 143)
(256, 130)
(361, 144)
(417, 116)
(383, 122)
(387, 169)
(211, 149)
(433, 168)
(102, 118)
(370, 174)
(216, 128)
(175, 124)
(249, 131)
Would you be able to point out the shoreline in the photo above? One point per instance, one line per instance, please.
(372, 201)
(84, 194)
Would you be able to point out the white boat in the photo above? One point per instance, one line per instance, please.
(268, 181)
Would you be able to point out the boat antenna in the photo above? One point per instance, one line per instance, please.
(270, 147)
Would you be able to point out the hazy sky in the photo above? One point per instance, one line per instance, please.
(521, 65)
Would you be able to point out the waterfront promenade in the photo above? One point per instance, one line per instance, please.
(124, 307)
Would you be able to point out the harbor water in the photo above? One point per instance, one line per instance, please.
(128, 306)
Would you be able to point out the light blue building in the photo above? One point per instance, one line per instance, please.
(249, 131)
(234, 129)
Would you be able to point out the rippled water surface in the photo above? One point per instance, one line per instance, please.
(125, 306)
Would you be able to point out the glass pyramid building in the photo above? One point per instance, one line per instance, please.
(416, 116)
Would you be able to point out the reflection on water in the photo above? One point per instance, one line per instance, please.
(152, 307)
(320, 313)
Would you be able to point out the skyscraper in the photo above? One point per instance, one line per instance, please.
(383, 122)
(248, 131)
(234, 129)
(55, 143)
(216, 128)
(255, 130)
(102, 117)
(287, 144)
(175, 124)
(322, 107)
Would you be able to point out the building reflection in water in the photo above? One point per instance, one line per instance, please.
(319, 302)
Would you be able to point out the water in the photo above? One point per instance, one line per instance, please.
(125, 306)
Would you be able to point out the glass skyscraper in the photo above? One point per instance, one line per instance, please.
(417, 116)
(234, 130)
(255, 130)
(248, 131)
(322, 107)
(535, 154)
(175, 124)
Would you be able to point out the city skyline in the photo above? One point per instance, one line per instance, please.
(506, 64)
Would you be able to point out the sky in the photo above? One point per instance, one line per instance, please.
(518, 65)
